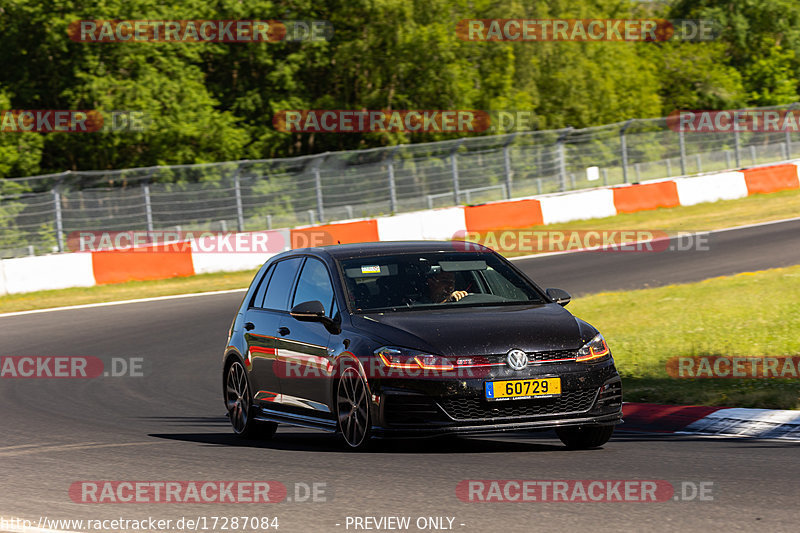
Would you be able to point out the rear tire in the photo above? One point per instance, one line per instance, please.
(239, 402)
(584, 437)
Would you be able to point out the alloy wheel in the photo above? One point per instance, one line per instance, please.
(237, 397)
(352, 408)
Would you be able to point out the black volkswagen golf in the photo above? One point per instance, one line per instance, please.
(414, 339)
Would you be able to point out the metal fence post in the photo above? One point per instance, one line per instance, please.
(237, 189)
(788, 132)
(624, 144)
(454, 169)
(59, 219)
(682, 143)
(736, 148)
(148, 208)
(507, 163)
(562, 164)
(318, 185)
(392, 186)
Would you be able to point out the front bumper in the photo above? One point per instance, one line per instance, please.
(591, 395)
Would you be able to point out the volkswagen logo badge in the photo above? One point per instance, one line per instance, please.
(517, 359)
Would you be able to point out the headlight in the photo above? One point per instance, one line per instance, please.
(394, 357)
(594, 350)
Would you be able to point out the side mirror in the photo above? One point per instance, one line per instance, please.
(314, 311)
(559, 296)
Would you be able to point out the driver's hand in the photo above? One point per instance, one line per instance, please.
(457, 295)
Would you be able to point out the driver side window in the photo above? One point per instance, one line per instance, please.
(315, 284)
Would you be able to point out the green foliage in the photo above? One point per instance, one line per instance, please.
(761, 41)
(208, 102)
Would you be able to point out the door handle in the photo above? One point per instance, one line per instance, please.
(249, 326)
(283, 330)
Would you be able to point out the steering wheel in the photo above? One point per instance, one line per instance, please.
(482, 298)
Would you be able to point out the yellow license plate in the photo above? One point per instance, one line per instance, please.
(522, 388)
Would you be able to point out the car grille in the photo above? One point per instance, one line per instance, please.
(476, 408)
(399, 410)
(540, 357)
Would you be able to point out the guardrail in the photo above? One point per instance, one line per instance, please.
(41, 211)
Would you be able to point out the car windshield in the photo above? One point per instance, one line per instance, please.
(419, 281)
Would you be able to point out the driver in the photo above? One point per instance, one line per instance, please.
(441, 288)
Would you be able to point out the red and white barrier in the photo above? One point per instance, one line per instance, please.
(209, 254)
(46, 272)
(772, 179)
(161, 261)
(701, 189)
(579, 205)
(434, 224)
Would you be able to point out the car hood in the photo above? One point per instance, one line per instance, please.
(480, 330)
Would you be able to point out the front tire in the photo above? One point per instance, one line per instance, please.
(584, 437)
(352, 409)
(239, 402)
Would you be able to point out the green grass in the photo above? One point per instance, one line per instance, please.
(749, 314)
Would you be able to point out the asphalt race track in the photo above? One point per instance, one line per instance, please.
(686, 260)
(169, 425)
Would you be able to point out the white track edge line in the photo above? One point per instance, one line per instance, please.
(121, 302)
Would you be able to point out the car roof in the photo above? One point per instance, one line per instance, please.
(365, 249)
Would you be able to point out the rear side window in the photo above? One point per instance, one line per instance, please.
(314, 284)
(258, 298)
(277, 294)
